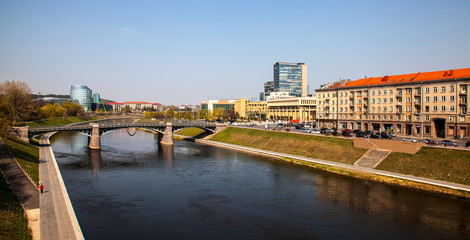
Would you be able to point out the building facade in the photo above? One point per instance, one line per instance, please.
(428, 104)
(302, 109)
(135, 106)
(82, 95)
(290, 77)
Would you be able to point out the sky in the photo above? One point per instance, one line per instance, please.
(185, 52)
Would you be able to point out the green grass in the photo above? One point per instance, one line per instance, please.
(449, 165)
(190, 132)
(13, 223)
(326, 148)
(26, 155)
(59, 121)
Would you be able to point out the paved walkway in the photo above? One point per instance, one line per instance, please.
(450, 185)
(24, 189)
(58, 220)
(373, 158)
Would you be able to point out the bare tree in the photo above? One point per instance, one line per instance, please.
(19, 103)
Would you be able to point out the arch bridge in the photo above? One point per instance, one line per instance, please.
(94, 130)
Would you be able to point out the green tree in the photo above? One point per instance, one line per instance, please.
(52, 110)
(72, 109)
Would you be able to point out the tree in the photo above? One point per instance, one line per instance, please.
(52, 110)
(72, 109)
(19, 103)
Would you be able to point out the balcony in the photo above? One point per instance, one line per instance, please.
(463, 92)
(417, 112)
(417, 102)
(462, 102)
(399, 104)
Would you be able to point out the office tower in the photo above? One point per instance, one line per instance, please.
(82, 95)
(291, 78)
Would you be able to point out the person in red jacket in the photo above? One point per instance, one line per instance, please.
(41, 187)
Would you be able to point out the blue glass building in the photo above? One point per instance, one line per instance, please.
(291, 78)
(82, 95)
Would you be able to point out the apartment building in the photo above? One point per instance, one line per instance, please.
(428, 104)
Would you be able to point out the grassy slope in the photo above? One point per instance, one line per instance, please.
(59, 121)
(327, 148)
(13, 223)
(435, 163)
(27, 156)
(190, 132)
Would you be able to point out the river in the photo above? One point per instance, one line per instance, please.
(134, 189)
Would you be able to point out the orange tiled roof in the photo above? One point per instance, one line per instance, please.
(412, 77)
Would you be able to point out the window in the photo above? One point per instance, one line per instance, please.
(417, 118)
(443, 89)
(391, 117)
(408, 108)
(385, 92)
(391, 92)
(372, 93)
(426, 90)
(408, 118)
(385, 109)
(426, 99)
(443, 108)
(443, 98)
(385, 100)
(373, 109)
(426, 108)
(452, 98)
(391, 100)
(434, 99)
(378, 117)
(462, 119)
(378, 92)
(378, 100)
(451, 89)
(434, 89)
(398, 117)
(452, 108)
(341, 94)
(451, 118)
(427, 118)
(408, 99)
(434, 108)
(373, 100)
(390, 109)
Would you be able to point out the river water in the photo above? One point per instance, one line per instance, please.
(134, 189)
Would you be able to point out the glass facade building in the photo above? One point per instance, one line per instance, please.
(291, 78)
(82, 95)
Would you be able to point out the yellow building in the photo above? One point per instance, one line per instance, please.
(301, 109)
(429, 104)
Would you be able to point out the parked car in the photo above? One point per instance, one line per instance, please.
(467, 144)
(385, 135)
(360, 135)
(316, 131)
(430, 142)
(306, 130)
(410, 140)
(347, 133)
(447, 143)
(376, 136)
(335, 133)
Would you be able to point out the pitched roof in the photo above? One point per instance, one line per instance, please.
(407, 78)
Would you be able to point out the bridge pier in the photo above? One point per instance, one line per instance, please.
(21, 133)
(167, 138)
(95, 139)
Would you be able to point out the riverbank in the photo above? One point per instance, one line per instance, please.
(267, 140)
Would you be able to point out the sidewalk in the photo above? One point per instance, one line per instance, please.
(24, 189)
(58, 220)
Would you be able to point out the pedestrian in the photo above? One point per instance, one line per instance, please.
(41, 187)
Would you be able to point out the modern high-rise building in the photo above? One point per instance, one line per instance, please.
(82, 95)
(96, 98)
(291, 78)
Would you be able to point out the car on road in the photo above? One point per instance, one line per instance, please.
(410, 140)
(306, 130)
(467, 144)
(447, 143)
(347, 133)
(360, 135)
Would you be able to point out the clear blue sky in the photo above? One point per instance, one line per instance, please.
(183, 52)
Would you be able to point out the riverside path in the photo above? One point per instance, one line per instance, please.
(58, 220)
